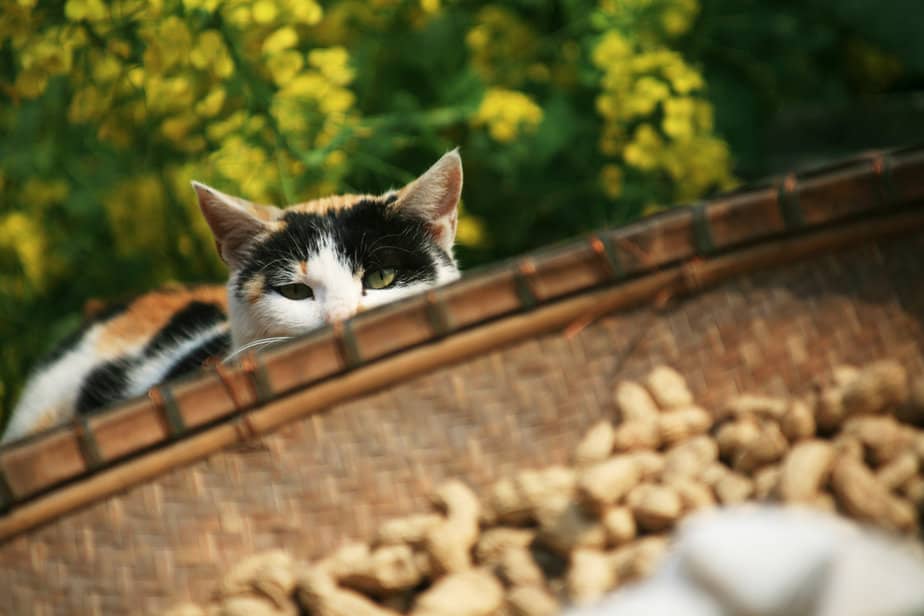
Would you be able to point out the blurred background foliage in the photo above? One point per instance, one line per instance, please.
(571, 115)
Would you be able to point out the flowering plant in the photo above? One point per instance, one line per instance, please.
(571, 115)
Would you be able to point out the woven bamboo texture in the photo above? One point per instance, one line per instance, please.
(336, 474)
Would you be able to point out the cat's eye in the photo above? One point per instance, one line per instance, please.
(295, 290)
(379, 279)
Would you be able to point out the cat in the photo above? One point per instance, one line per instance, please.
(291, 271)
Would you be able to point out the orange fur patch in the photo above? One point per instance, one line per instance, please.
(330, 204)
(253, 288)
(148, 314)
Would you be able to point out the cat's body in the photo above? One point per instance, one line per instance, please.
(292, 270)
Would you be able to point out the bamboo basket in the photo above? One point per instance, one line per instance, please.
(142, 505)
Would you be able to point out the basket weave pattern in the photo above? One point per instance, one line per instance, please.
(337, 474)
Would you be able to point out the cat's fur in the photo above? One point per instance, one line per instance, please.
(340, 247)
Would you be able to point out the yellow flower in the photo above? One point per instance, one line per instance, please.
(41, 193)
(333, 62)
(210, 53)
(218, 130)
(611, 178)
(92, 10)
(678, 118)
(335, 159)
(504, 112)
(305, 11)
(307, 84)
(470, 230)
(337, 100)
(683, 78)
(289, 114)
(280, 40)
(238, 15)
(25, 237)
(176, 128)
(284, 66)
(88, 104)
(679, 16)
(30, 83)
(264, 11)
(48, 56)
(646, 95)
(612, 49)
(211, 105)
(205, 5)
(645, 149)
(430, 6)
(607, 106)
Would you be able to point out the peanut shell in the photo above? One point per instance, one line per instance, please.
(880, 386)
(470, 593)
(635, 402)
(605, 483)
(805, 469)
(669, 388)
(590, 575)
(597, 444)
(619, 525)
(531, 601)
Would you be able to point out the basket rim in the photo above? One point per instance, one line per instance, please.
(678, 252)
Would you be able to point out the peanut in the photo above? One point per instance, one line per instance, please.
(880, 386)
(531, 601)
(635, 402)
(495, 541)
(748, 405)
(568, 527)
(690, 458)
(590, 575)
(597, 444)
(636, 434)
(619, 525)
(805, 468)
(898, 471)
(768, 448)
(470, 593)
(655, 507)
(518, 568)
(679, 424)
(669, 388)
(410, 529)
(318, 593)
(798, 422)
(269, 574)
(733, 488)
(605, 483)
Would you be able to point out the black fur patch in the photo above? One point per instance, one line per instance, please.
(105, 385)
(194, 317)
(217, 346)
(368, 235)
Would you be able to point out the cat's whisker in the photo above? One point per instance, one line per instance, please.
(256, 343)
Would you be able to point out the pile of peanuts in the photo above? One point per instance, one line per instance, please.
(568, 534)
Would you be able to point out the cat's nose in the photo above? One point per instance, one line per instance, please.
(338, 312)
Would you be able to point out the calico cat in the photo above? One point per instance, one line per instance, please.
(291, 270)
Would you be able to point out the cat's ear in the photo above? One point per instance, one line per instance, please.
(434, 196)
(234, 222)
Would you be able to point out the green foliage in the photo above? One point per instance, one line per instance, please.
(571, 115)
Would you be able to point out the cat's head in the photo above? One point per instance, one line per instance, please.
(297, 268)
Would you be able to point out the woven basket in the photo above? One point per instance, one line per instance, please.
(142, 505)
